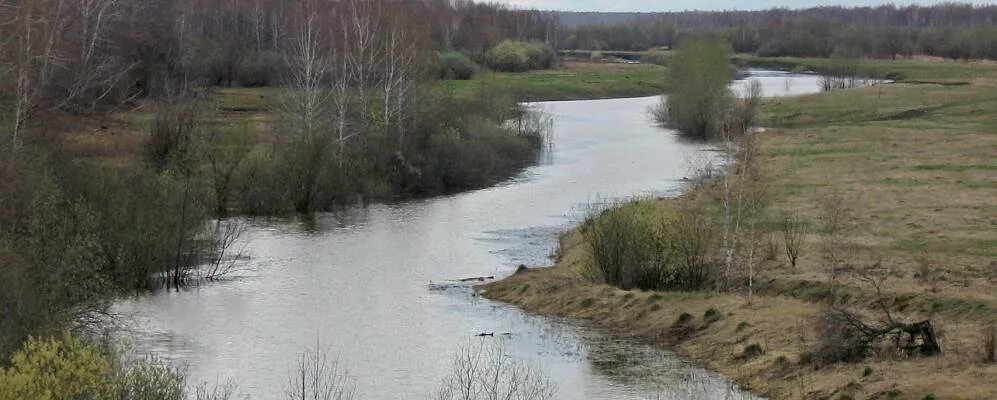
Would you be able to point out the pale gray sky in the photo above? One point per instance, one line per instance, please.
(680, 5)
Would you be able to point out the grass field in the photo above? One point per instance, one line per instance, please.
(914, 167)
(572, 81)
(118, 137)
(917, 69)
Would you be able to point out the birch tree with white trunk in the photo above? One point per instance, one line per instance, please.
(398, 80)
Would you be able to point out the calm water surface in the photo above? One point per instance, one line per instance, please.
(359, 281)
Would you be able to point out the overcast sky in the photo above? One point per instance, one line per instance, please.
(680, 5)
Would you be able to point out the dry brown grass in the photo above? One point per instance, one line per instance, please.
(915, 167)
(597, 66)
(780, 325)
(117, 138)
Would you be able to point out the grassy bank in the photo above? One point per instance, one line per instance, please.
(913, 168)
(913, 70)
(572, 81)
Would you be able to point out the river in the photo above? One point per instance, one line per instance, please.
(359, 281)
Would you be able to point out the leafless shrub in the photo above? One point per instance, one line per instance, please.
(535, 125)
(223, 237)
(843, 71)
(701, 169)
(794, 232)
(742, 115)
(928, 273)
(224, 391)
(318, 376)
(487, 372)
(771, 250)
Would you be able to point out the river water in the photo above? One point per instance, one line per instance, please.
(360, 281)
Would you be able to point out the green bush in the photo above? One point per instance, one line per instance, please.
(455, 65)
(712, 315)
(629, 246)
(698, 99)
(149, 380)
(508, 56)
(69, 368)
(206, 64)
(50, 254)
(516, 56)
(683, 319)
(638, 245)
(57, 369)
(753, 350)
(259, 69)
(540, 56)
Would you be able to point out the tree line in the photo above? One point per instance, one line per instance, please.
(951, 30)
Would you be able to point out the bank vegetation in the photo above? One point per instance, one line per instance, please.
(828, 257)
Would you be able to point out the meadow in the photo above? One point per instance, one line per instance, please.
(911, 168)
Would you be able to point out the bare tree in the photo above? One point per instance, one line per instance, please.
(225, 235)
(258, 17)
(794, 232)
(487, 372)
(95, 72)
(730, 227)
(750, 201)
(736, 197)
(308, 60)
(227, 151)
(398, 79)
(833, 220)
(56, 54)
(361, 50)
(37, 29)
(318, 376)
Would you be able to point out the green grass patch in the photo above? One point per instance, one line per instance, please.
(571, 83)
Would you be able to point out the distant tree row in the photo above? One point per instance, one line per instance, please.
(957, 31)
(113, 49)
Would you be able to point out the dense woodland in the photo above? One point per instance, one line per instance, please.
(958, 31)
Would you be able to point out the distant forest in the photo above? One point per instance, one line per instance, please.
(229, 42)
(957, 31)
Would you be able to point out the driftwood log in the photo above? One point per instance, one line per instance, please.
(912, 338)
(909, 337)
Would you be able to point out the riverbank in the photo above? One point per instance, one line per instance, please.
(912, 165)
